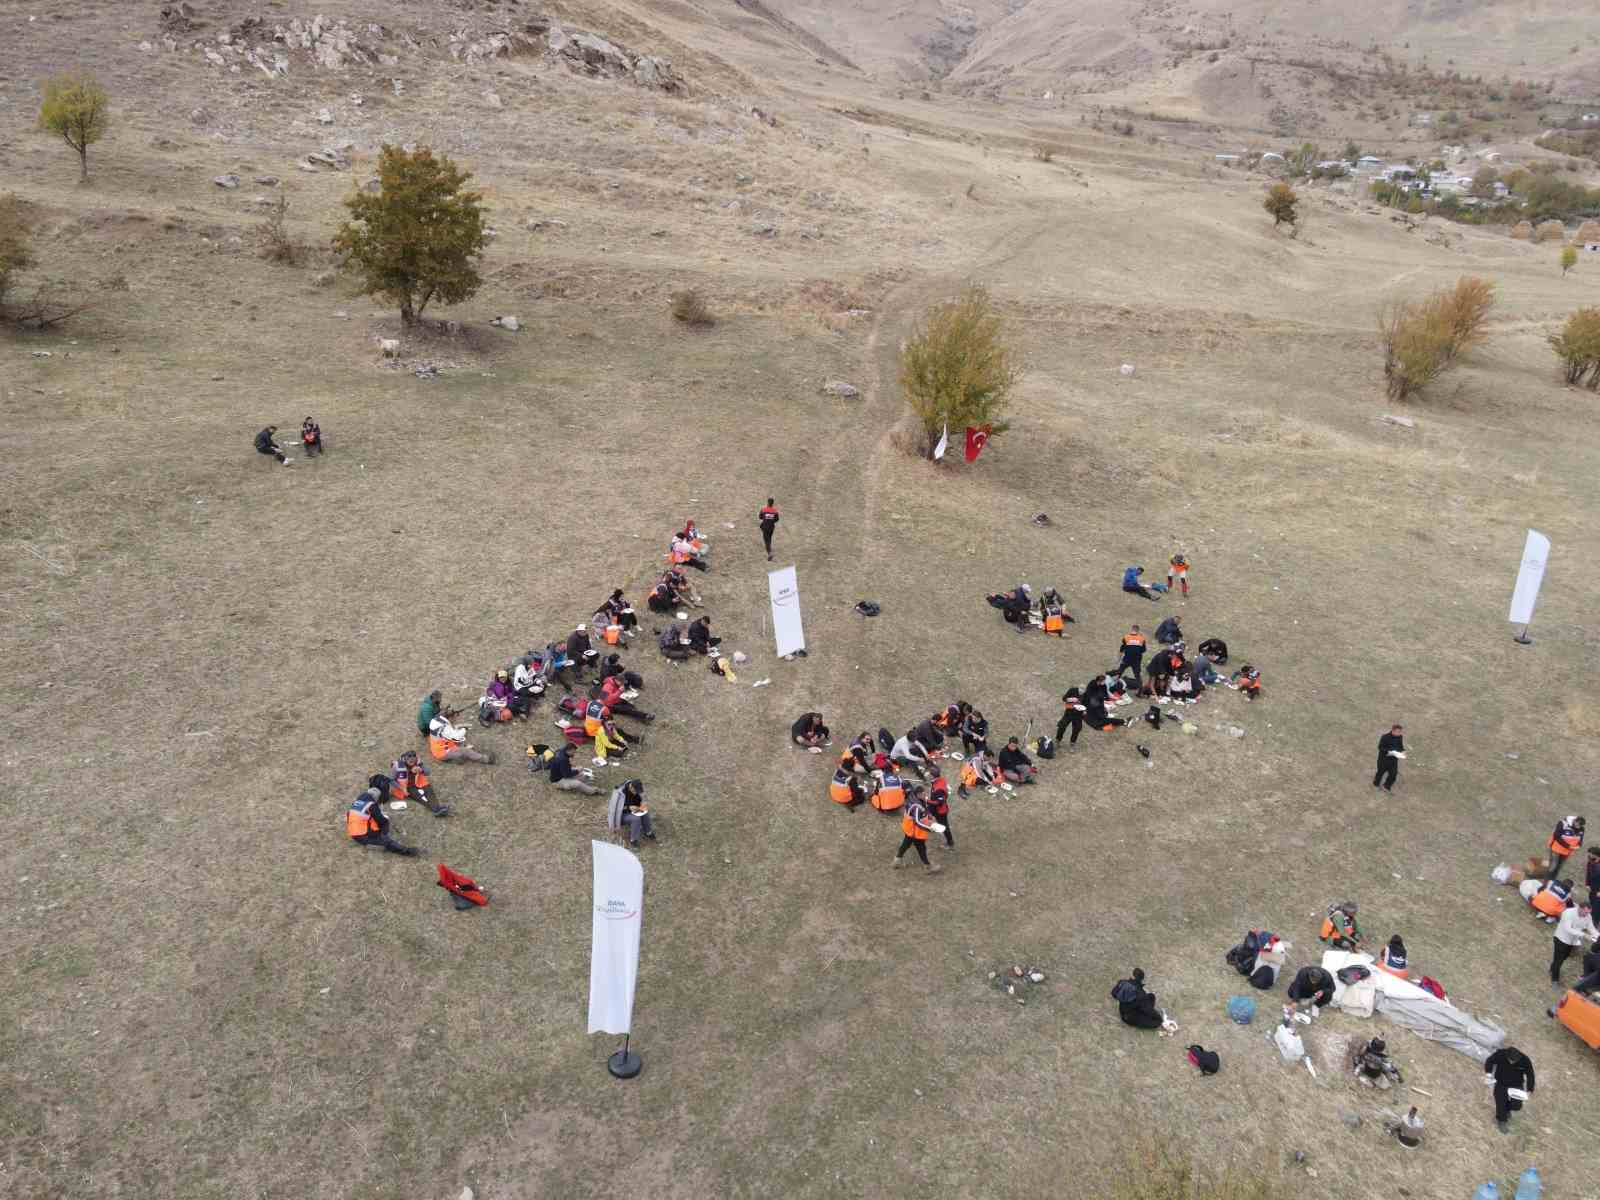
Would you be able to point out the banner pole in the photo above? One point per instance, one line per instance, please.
(1523, 639)
(624, 1064)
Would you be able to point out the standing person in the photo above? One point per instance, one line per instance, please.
(1567, 838)
(915, 823)
(1591, 874)
(769, 522)
(1505, 1069)
(939, 806)
(1072, 711)
(1178, 569)
(1575, 926)
(267, 444)
(311, 437)
(1391, 749)
(1131, 583)
(1133, 647)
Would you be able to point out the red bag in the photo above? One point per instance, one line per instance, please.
(461, 885)
(1429, 984)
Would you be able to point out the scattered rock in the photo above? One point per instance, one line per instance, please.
(764, 230)
(374, 186)
(1351, 1120)
(1403, 422)
(146, 47)
(199, 116)
(492, 100)
(226, 181)
(509, 324)
(390, 347)
(267, 180)
(41, 354)
(841, 389)
(324, 116)
(1127, 370)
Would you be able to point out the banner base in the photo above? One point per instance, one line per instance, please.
(1522, 639)
(625, 1064)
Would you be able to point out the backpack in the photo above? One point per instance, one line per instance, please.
(1126, 991)
(1429, 984)
(1045, 747)
(1208, 1061)
(1263, 977)
(1354, 973)
(1153, 715)
(885, 739)
(1241, 1010)
(868, 608)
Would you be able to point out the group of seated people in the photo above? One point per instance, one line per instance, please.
(1018, 608)
(689, 548)
(672, 592)
(678, 643)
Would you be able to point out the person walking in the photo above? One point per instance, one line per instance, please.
(1508, 1069)
(1575, 926)
(1133, 648)
(915, 823)
(1178, 570)
(1391, 749)
(1072, 710)
(267, 444)
(768, 517)
(939, 806)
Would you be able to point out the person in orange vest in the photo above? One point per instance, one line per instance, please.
(447, 742)
(1339, 927)
(1133, 647)
(410, 779)
(1567, 838)
(1248, 681)
(768, 519)
(1550, 899)
(1392, 958)
(683, 554)
(846, 789)
(915, 824)
(311, 437)
(939, 806)
(890, 793)
(1053, 613)
(365, 823)
(978, 771)
(1178, 569)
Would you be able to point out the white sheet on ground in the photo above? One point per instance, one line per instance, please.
(1407, 1005)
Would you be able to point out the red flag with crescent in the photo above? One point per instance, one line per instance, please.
(977, 439)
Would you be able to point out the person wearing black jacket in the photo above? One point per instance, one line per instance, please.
(1097, 716)
(565, 776)
(1136, 1006)
(809, 730)
(1388, 770)
(267, 444)
(700, 639)
(1072, 712)
(768, 520)
(974, 732)
(1509, 1068)
(1311, 985)
(365, 822)
(928, 734)
(1015, 765)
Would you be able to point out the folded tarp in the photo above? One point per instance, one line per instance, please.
(1407, 1005)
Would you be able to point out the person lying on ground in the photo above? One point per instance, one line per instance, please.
(1168, 631)
(700, 639)
(447, 742)
(365, 823)
(1015, 765)
(1131, 583)
(1311, 985)
(808, 730)
(1340, 929)
(977, 771)
(632, 812)
(1136, 1006)
(974, 732)
(674, 644)
(267, 444)
(1132, 648)
(1248, 681)
(683, 554)
(311, 437)
(908, 751)
(1373, 1066)
(557, 765)
(846, 789)
(410, 780)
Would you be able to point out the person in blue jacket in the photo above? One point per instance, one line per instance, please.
(1130, 583)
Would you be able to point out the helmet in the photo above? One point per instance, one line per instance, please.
(501, 674)
(581, 628)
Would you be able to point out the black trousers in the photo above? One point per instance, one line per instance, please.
(1558, 958)
(1504, 1105)
(272, 450)
(383, 839)
(922, 849)
(1075, 719)
(699, 564)
(766, 538)
(1388, 771)
(312, 447)
(658, 603)
(1139, 589)
(1131, 662)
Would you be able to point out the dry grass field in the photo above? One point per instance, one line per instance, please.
(207, 992)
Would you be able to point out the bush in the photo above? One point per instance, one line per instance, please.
(1464, 310)
(1045, 153)
(1569, 258)
(276, 244)
(16, 232)
(956, 369)
(1550, 231)
(690, 307)
(75, 107)
(1578, 346)
(1282, 202)
(1416, 340)
(418, 238)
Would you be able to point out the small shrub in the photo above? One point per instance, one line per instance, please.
(1416, 341)
(1569, 258)
(75, 108)
(1464, 311)
(690, 307)
(276, 243)
(1281, 201)
(1044, 153)
(1578, 346)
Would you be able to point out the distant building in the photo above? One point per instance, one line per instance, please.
(1227, 158)
(1272, 156)
(1369, 162)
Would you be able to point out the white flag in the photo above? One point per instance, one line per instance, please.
(614, 956)
(783, 588)
(944, 442)
(1534, 554)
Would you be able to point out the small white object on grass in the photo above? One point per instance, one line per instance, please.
(815, 749)
(681, 615)
(995, 791)
(600, 762)
(1127, 370)
(761, 683)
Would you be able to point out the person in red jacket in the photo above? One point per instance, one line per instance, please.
(939, 806)
(768, 518)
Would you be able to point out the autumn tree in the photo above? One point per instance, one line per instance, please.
(956, 369)
(1569, 258)
(417, 239)
(1578, 346)
(1282, 202)
(76, 108)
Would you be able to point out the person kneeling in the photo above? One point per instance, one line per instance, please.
(1015, 765)
(1136, 1006)
(977, 771)
(627, 810)
(365, 822)
(1373, 1066)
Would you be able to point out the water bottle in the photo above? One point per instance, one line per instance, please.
(1486, 1191)
(1528, 1186)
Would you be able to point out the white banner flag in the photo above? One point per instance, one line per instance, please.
(944, 442)
(784, 589)
(614, 956)
(1534, 554)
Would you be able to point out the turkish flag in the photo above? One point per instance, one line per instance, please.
(977, 439)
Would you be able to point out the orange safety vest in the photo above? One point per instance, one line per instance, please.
(1133, 639)
(839, 790)
(891, 794)
(439, 747)
(1398, 972)
(1548, 902)
(1178, 566)
(1564, 846)
(399, 785)
(1053, 620)
(912, 829)
(969, 775)
(1249, 685)
(358, 821)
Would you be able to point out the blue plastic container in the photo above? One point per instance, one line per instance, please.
(1529, 1187)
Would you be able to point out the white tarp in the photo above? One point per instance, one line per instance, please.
(1531, 574)
(784, 589)
(1407, 1005)
(614, 955)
